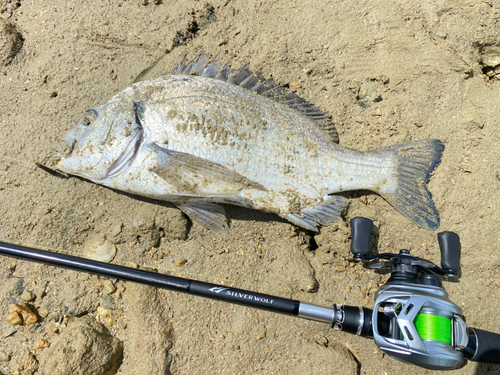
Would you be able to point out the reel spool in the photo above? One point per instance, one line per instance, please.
(433, 327)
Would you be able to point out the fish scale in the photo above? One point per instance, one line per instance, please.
(220, 153)
(217, 136)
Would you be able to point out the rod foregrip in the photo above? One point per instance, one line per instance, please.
(483, 346)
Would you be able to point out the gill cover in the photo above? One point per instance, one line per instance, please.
(103, 143)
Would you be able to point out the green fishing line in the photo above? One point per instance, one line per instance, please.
(433, 327)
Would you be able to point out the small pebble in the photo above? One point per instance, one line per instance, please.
(97, 281)
(441, 34)
(21, 309)
(295, 85)
(109, 287)
(180, 262)
(341, 268)
(14, 318)
(28, 296)
(261, 333)
(312, 286)
(119, 291)
(108, 302)
(40, 344)
(103, 313)
(43, 312)
(53, 329)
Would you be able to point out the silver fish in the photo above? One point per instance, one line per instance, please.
(206, 136)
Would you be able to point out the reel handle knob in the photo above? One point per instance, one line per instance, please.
(361, 230)
(449, 243)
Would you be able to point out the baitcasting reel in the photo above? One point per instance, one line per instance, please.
(413, 319)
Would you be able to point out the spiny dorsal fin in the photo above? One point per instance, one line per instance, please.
(255, 81)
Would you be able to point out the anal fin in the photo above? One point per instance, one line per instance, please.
(324, 214)
(210, 215)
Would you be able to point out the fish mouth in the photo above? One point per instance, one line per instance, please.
(52, 160)
(64, 149)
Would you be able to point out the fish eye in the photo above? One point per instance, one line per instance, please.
(90, 116)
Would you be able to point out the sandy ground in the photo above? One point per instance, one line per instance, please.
(387, 72)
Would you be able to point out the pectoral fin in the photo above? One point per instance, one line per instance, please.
(194, 176)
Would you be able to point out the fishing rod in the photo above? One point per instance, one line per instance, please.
(413, 319)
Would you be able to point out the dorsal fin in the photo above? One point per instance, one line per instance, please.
(255, 81)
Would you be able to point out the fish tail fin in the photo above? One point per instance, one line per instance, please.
(415, 162)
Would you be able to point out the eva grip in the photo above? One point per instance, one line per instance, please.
(449, 243)
(361, 230)
(487, 346)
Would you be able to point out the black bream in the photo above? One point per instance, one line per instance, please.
(201, 137)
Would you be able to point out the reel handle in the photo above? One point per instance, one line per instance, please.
(361, 230)
(449, 244)
(483, 346)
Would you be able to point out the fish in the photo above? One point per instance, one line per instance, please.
(208, 135)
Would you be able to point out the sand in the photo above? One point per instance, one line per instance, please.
(387, 72)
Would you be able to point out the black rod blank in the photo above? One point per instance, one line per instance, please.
(213, 291)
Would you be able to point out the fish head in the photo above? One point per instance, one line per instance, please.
(101, 144)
